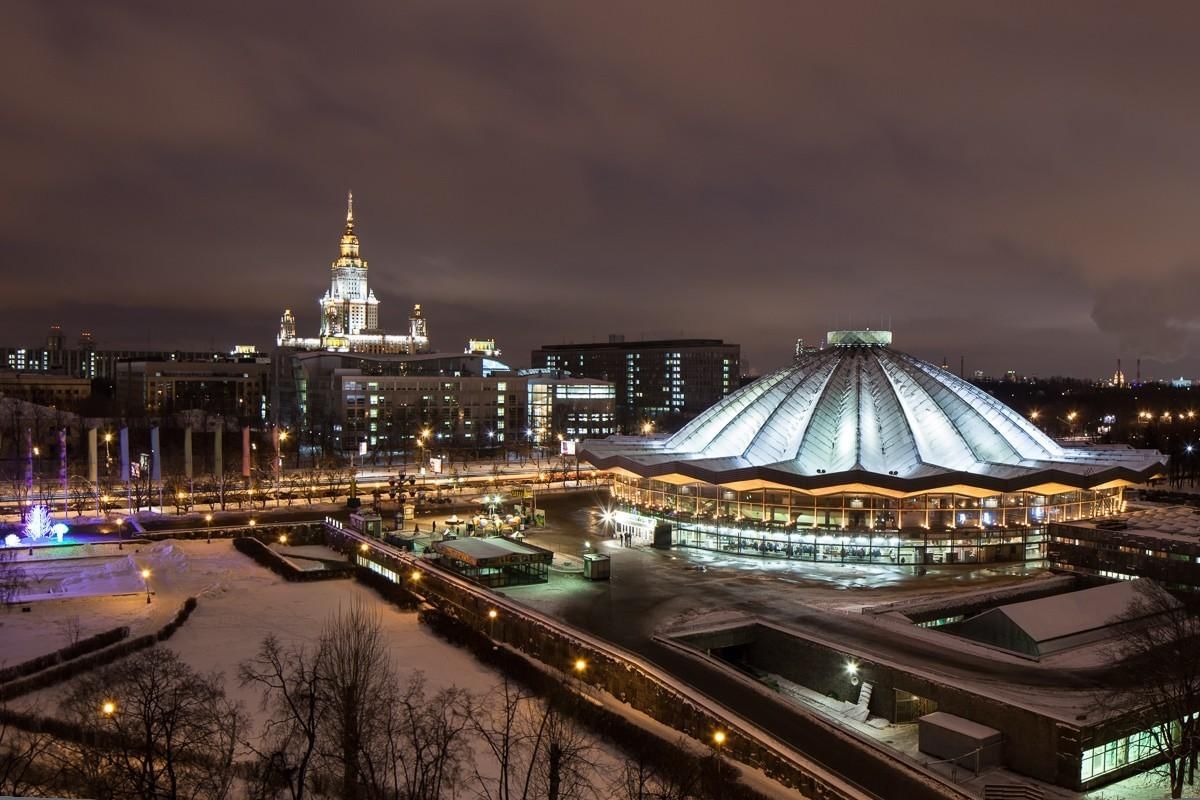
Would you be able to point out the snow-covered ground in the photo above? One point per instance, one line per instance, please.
(239, 604)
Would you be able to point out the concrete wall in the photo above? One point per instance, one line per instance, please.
(1034, 744)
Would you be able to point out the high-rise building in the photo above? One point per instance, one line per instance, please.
(350, 310)
(659, 384)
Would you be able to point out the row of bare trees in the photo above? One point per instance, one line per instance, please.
(339, 721)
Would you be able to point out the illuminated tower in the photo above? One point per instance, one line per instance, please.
(287, 326)
(349, 307)
(417, 325)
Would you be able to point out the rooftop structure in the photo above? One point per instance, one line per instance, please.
(1051, 624)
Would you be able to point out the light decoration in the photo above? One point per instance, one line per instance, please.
(38, 524)
(59, 529)
(12, 540)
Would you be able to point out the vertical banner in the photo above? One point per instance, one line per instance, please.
(278, 462)
(62, 470)
(155, 456)
(125, 455)
(29, 462)
(246, 451)
(92, 455)
(218, 456)
(187, 453)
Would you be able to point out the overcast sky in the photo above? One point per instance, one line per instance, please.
(1016, 183)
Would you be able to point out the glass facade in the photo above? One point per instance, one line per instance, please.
(1112, 756)
(849, 527)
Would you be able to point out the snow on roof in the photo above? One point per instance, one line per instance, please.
(870, 409)
(1066, 614)
(965, 727)
(479, 550)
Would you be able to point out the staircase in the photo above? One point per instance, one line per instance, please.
(860, 712)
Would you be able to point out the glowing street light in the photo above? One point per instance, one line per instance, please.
(719, 738)
(146, 582)
(851, 668)
(108, 708)
(364, 547)
(282, 536)
(492, 614)
(647, 428)
(580, 666)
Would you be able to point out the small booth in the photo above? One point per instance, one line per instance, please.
(368, 523)
(597, 566)
(960, 740)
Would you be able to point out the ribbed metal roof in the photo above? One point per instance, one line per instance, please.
(861, 411)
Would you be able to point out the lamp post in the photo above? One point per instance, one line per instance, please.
(208, 525)
(718, 739)
(108, 708)
(492, 614)
(146, 582)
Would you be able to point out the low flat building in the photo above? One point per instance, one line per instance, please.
(44, 389)
(228, 387)
(495, 561)
(1162, 543)
(481, 412)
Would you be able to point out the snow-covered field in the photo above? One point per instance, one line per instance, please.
(239, 604)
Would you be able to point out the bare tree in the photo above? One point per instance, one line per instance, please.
(290, 683)
(424, 745)
(1158, 680)
(152, 728)
(28, 762)
(355, 673)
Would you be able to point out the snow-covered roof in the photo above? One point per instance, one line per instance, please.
(858, 411)
(1070, 613)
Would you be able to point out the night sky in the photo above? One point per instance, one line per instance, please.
(1015, 183)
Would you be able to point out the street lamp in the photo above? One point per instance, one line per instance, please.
(146, 581)
(208, 524)
(108, 708)
(282, 536)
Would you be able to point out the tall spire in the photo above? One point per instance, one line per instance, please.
(349, 245)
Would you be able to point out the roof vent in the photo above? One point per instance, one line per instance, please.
(867, 338)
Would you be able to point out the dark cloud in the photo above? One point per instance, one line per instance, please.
(989, 180)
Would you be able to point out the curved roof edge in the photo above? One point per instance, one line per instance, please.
(893, 483)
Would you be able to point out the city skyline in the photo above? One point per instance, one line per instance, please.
(1014, 182)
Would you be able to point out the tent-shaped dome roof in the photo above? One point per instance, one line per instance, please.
(858, 411)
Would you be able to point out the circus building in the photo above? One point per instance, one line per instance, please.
(858, 453)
